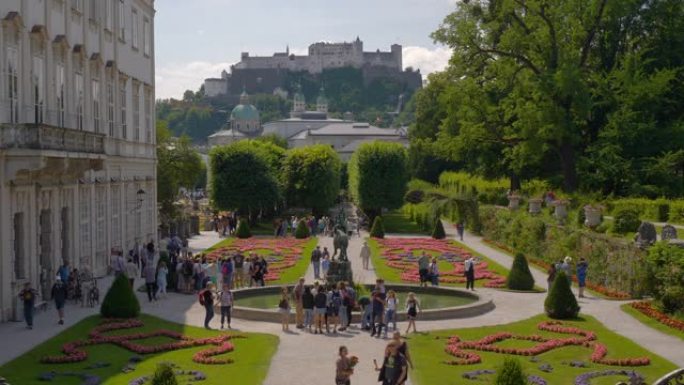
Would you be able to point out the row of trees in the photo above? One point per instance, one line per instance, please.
(586, 94)
(259, 177)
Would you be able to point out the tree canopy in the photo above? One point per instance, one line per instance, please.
(311, 177)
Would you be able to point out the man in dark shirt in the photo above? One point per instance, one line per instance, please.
(316, 261)
(239, 261)
(28, 297)
(378, 305)
(208, 303)
(394, 368)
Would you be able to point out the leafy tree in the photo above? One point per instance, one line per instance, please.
(560, 303)
(626, 221)
(120, 301)
(378, 229)
(274, 139)
(378, 176)
(520, 276)
(665, 278)
(311, 177)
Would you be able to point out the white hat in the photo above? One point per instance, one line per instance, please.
(58, 278)
(567, 259)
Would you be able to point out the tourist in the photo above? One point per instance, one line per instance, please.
(64, 271)
(423, 269)
(131, 272)
(365, 255)
(582, 267)
(391, 310)
(433, 269)
(207, 300)
(59, 295)
(344, 304)
(162, 274)
(469, 272)
(344, 368)
(403, 348)
(308, 307)
(197, 274)
(460, 229)
(316, 261)
(226, 300)
(351, 297)
(325, 265)
(366, 317)
(238, 263)
(284, 309)
(184, 247)
(378, 306)
(227, 269)
(264, 269)
(257, 271)
(335, 303)
(246, 272)
(566, 267)
(320, 307)
(28, 297)
(150, 274)
(394, 367)
(551, 275)
(412, 310)
(380, 286)
(326, 253)
(297, 293)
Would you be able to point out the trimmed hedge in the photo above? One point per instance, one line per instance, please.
(164, 375)
(120, 301)
(626, 221)
(302, 230)
(560, 303)
(438, 231)
(511, 373)
(520, 276)
(243, 230)
(378, 229)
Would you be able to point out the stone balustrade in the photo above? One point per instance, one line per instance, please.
(46, 137)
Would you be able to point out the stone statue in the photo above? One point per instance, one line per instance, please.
(341, 241)
(668, 232)
(646, 235)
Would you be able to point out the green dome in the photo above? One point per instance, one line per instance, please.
(299, 97)
(244, 112)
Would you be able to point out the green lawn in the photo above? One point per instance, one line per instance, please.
(252, 357)
(429, 355)
(390, 274)
(396, 222)
(292, 274)
(648, 321)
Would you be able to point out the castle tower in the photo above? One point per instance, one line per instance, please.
(397, 54)
(322, 102)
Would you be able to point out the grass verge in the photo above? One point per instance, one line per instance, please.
(650, 322)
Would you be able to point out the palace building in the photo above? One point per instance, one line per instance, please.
(77, 137)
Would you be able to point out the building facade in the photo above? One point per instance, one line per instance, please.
(77, 137)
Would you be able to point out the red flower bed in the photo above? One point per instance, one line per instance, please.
(606, 291)
(72, 353)
(586, 338)
(399, 254)
(648, 310)
(283, 252)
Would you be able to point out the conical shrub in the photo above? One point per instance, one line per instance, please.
(120, 301)
(511, 373)
(520, 276)
(302, 230)
(560, 303)
(243, 230)
(378, 229)
(438, 231)
(164, 375)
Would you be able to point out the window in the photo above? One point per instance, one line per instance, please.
(78, 94)
(108, 15)
(37, 89)
(77, 5)
(12, 77)
(19, 264)
(100, 216)
(116, 215)
(136, 111)
(85, 223)
(148, 115)
(95, 10)
(110, 105)
(122, 20)
(122, 101)
(147, 37)
(135, 25)
(96, 105)
(60, 93)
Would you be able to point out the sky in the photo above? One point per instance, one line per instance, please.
(197, 39)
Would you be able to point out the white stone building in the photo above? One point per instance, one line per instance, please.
(77, 137)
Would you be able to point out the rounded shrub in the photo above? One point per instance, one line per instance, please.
(438, 231)
(511, 373)
(626, 221)
(663, 211)
(378, 229)
(520, 276)
(164, 375)
(243, 230)
(560, 303)
(120, 301)
(302, 230)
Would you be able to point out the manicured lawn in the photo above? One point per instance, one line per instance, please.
(429, 355)
(396, 222)
(292, 274)
(391, 274)
(252, 356)
(627, 308)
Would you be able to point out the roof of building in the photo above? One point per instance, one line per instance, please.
(228, 132)
(244, 112)
(354, 129)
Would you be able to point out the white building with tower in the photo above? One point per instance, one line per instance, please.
(77, 137)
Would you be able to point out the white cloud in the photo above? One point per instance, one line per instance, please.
(426, 59)
(175, 78)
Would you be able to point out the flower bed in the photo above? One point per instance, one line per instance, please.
(648, 310)
(457, 348)
(282, 253)
(73, 351)
(399, 253)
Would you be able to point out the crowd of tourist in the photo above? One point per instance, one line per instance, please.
(565, 265)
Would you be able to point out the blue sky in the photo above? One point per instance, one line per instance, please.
(196, 39)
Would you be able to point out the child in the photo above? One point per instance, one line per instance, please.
(226, 298)
(412, 309)
(284, 309)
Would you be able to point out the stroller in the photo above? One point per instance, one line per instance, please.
(92, 294)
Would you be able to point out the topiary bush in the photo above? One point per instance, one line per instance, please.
(663, 211)
(120, 301)
(243, 230)
(626, 221)
(438, 231)
(520, 276)
(378, 229)
(511, 373)
(560, 303)
(164, 375)
(302, 230)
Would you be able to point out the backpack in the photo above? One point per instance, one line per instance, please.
(201, 297)
(336, 300)
(224, 269)
(187, 268)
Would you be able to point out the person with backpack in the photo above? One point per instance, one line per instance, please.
(335, 303)
(320, 307)
(284, 309)
(297, 294)
(378, 306)
(206, 299)
(226, 300)
(59, 295)
(346, 303)
(316, 262)
(187, 272)
(238, 262)
(28, 297)
(351, 293)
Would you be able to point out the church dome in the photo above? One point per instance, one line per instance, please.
(244, 112)
(245, 117)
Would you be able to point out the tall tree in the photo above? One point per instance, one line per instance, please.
(311, 177)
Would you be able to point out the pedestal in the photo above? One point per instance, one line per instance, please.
(339, 271)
